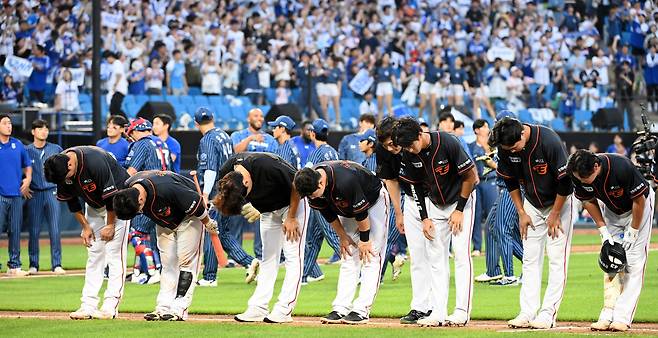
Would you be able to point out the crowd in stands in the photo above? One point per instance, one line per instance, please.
(571, 57)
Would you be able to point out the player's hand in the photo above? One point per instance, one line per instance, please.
(630, 237)
(88, 236)
(291, 229)
(399, 222)
(524, 222)
(345, 244)
(455, 221)
(257, 137)
(211, 226)
(250, 213)
(554, 224)
(107, 233)
(365, 251)
(25, 189)
(605, 235)
(428, 229)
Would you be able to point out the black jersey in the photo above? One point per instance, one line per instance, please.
(350, 191)
(540, 167)
(271, 177)
(97, 178)
(389, 167)
(617, 187)
(170, 197)
(439, 168)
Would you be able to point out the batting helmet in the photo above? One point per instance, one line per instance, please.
(612, 258)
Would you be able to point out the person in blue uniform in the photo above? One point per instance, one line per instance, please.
(43, 206)
(348, 148)
(281, 129)
(161, 129)
(114, 143)
(303, 142)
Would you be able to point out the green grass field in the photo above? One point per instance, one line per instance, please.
(582, 300)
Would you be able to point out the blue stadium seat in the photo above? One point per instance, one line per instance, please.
(85, 98)
(141, 99)
(86, 107)
(557, 124)
(201, 100)
(186, 99)
(194, 91)
(270, 95)
(582, 119)
(216, 100)
(180, 109)
(525, 116)
(173, 99)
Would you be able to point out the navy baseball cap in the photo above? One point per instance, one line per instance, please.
(139, 124)
(320, 126)
(369, 135)
(505, 113)
(283, 121)
(203, 114)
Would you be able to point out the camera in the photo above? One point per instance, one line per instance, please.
(644, 148)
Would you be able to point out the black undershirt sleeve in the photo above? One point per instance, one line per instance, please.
(418, 192)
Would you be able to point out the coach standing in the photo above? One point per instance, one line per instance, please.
(14, 164)
(43, 206)
(281, 128)
(611, 182)
(535, 157)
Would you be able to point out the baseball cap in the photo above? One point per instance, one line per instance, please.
(283, 121)
(139, 124)
(369, 135)
(505, 113)
(320, 126)
(203, 114)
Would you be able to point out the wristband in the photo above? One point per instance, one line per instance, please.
(364, 236)
(461, 203)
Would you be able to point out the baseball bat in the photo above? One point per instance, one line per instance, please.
(216, 244)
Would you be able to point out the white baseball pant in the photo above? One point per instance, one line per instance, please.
(438, 251)
(421, 272)
(274, 239)
(352, 267)
(632, 280)
(181, 249)
(100, 254)
(557, 249)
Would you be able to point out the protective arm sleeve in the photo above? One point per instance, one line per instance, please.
(209, 181)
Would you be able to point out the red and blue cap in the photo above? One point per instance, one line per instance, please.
(140, 124)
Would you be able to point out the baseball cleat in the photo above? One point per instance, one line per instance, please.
(251, 315)
(207, 283)
(81, 314)
(102, 314)
(170, 317)
(32, 271)
(333, 259)
(430, 321)
(155, 279)
(152, 316)
(413, 316)
(252, 271)
(476, 253)
(17, 272)
(354, 318)
(540, 324)
(507, 281)
(397, 267)
(59, 271)
(332, 318)
(484, 278)
(458, 318)
(277, 318)
(601, 325)
(310, 279)
(520, 322)
(618, 326)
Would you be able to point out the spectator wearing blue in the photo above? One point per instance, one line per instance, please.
(37, 82)
(10, 93)
(385, 79)
(348, 148)
(281, 129)
(308, 98)
(161, 128)
(42, 204)
(176, 81)
(114, 143)
(137, 78)
(14, 164)
(253, 138)
(651, 78)
(249, 78)
(333, 79)
(303, 142)
(486, 189)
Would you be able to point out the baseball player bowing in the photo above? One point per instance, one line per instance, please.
(260, 186)
(94, 175)
(535, 157)
(437, 163)
(173, 203)
(624, 215)
(353, 200)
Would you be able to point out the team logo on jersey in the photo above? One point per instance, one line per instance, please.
(417, 164)
(86, 181)
(616, 192)
(442, 169)
(589, 189)
(89, 187)
(13, 146)
(164, 212)
(515, 159)
(540, 169)
(341, 203)
(203, 157)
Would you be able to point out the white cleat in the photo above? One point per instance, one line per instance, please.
(32, 271)
(397, 267)
(207, 283)
(601, 325)
(59, 271)
(252, 271)
(17, 272)
(484, 278)
(542, 325)
(618, 326)
(81, 314)
(102, 314)
(155, 279)
(251, 315)
(310, 279)
(520, 322)
(458, 318)
(277, 318)
(430, 321)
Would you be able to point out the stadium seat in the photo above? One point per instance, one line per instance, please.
(194, 91)
(173, 99)
(186, 99)
(557, 124)
(85, 98)
(201, 100)
(141, 99)
(582, 119)
(525, 116)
